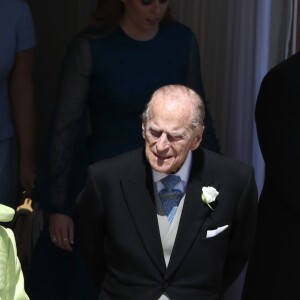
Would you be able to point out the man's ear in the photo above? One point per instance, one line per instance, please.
(197, 139)
(143, 131)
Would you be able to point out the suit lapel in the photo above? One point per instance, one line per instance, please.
(139, 195)
(193, 215)
(138, 192)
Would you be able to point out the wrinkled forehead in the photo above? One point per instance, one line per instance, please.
(170, 115)
(178, 104)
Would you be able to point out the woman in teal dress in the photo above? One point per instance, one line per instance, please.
(110, 71)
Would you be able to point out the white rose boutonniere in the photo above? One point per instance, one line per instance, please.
(209, 195)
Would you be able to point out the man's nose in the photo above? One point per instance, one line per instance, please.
(163, 142)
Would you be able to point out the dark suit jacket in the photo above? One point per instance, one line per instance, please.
(274, 270)
(119, 233)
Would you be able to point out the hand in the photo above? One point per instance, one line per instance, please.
(61, 229)
(26, 205)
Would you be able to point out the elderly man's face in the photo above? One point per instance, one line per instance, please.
(169, 135)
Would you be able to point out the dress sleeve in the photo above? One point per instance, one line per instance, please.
(194, 81)
(26, 34)
(64, 156)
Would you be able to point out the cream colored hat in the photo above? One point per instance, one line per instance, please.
(6, 213)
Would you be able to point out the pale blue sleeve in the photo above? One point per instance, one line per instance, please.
(26, 33)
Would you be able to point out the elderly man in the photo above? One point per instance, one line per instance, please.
(171, 221)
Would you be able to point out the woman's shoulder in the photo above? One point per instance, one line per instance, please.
(176, 32)
(13, 5)
(286, 69)
(14, 11)
(177, 27)
(94, 32)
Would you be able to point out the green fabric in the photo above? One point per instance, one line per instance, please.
(6, 213)
(11, 276)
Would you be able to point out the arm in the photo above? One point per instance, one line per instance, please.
(243, 232)
(66, 153)
(23, 107)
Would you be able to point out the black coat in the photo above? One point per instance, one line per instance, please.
(119, 233)
(274, 270)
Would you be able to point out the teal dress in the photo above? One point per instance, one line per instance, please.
(105, 84)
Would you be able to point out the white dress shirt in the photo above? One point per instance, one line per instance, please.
(168, 230)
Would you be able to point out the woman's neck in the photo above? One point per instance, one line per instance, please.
(137, 34)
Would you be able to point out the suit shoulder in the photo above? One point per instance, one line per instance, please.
(225, 164)
(285, 69)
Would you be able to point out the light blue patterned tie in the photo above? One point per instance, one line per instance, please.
(169, 196)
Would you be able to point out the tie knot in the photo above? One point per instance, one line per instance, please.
(170, 181)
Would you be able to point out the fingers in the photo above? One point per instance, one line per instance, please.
(71, 233)
(26, 205)
(61, 240)
(61, 230)
(28, 201)
(53, 238)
